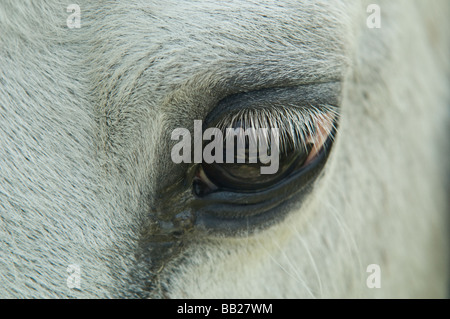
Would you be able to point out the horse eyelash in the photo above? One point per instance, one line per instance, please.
(297, 125)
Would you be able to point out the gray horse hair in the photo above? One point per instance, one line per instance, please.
(85, 121)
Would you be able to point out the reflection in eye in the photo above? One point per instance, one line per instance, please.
(304, 132)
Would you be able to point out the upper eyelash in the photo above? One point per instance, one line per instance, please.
(296, 125)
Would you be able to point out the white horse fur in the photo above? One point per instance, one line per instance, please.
(84, 145)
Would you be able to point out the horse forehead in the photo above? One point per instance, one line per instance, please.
(201, 31)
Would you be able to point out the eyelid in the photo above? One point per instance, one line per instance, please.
(297, 126)
(300, 113)
(295, 97)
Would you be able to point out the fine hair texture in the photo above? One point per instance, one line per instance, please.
(85, 121)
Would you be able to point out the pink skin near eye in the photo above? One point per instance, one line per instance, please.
(323, 129)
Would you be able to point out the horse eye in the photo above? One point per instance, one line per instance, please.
(235, 193)
(247, 177)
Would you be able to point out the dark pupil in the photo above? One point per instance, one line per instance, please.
(247, 176)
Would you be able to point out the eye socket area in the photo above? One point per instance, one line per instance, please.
(236, 200)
